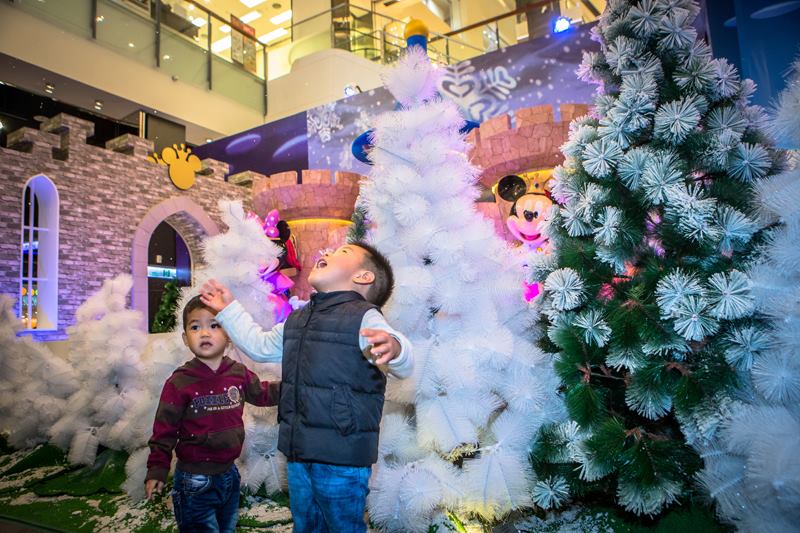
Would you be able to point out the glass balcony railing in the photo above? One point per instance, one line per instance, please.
(182, 38)
(379, 37)
(191, 43)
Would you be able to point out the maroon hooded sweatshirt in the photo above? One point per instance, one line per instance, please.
(200, 417)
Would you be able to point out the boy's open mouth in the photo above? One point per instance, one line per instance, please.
(206, 344)
(321, 263)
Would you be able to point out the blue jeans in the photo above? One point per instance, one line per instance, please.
(205, 503)
(328, 498)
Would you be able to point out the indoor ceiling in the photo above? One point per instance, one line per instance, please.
(267, 17)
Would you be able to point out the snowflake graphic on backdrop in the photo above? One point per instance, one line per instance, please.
(482, 93)
(323, 121)
(346, 159)
(529, 74)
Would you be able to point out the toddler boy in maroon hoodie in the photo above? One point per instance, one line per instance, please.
(200, 417)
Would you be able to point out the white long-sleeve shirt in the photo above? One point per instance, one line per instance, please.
(267, 346)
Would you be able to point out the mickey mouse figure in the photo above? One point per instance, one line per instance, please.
(530, 202)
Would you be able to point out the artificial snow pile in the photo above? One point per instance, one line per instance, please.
(75, 404)
(34, 383)
(751, 465)
(481, 389)
(106, 346)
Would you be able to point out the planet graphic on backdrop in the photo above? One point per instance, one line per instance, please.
(243, 144)
(288, 145)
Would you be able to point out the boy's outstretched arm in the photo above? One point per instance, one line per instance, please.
(387, 346)
(258, 344)
(261, 393)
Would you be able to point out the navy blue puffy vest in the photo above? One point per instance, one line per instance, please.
(331, 396)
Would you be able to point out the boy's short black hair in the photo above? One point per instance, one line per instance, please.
(381, 289)
(191, 305)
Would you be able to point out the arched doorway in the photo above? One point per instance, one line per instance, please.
(168, 260)
(191, 225)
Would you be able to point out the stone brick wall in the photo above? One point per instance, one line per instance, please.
(104, 195)
(533, 143)
(322, 194)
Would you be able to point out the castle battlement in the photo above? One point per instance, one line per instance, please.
(62, 135)
(321, 193)
(528, 138)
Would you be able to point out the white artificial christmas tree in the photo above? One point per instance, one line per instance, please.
(457, 437)
(751, 464)
(236, 259)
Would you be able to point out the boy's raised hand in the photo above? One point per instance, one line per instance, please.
(215, 295)
(384, 346)
(151, 486)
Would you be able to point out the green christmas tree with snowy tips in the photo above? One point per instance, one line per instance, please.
(164, 320)
(646, 299)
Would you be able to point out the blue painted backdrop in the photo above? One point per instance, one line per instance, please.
(534, 73)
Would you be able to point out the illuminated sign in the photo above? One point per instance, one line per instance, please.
(162, 272)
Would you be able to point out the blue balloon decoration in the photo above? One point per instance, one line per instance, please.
(360, 147)
(361, 144)
(468, 126)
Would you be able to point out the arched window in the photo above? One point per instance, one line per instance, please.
(38, 305)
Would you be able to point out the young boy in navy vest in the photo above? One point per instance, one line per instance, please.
(200, 417)
(332, 390)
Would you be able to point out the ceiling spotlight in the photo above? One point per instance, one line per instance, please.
(350, 90)
(209, 139)
(166, 57)
(49, 88)
(131, 45)
(98, 104)
(100, 18)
